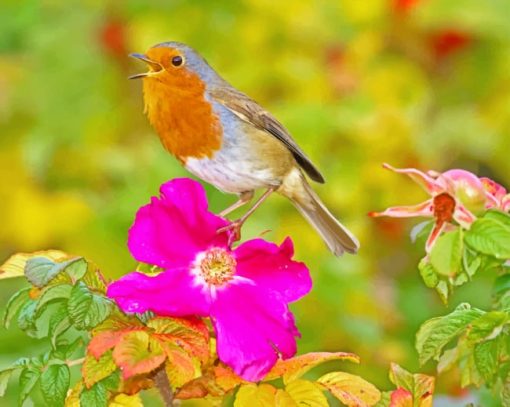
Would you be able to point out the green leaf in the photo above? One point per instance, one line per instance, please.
(16, 302)
(435, 333)
(4, 379)
(26, 318)
(59, 322)
(65, 350)
(87, 309)
(443, 290)
(41, 270)
(27, 380)
(498, 216)
(502, 284)
(54, 384)
(77, 269)
(428, 274)
(488, 326)
(112, 382)
(489, 236)
(486, 359)
(94, 370)
(96, 396)
(446, 254)
(50, 294)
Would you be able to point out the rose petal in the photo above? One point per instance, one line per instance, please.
(424, 209)
(172, 229)
(172, 293)
(427, 182)
(271, 266)
(434, 235)
(463, 216)
(252, 328)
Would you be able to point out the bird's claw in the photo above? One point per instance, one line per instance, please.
(235, 231)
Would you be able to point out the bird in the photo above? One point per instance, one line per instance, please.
(225, 138)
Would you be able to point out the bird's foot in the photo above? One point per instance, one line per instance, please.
(233, 229)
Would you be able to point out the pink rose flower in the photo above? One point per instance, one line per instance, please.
(455, 195)
(245, 291)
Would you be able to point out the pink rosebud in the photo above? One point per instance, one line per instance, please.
(245, 291)
(447, 192)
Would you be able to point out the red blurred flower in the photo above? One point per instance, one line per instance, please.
(447, 42)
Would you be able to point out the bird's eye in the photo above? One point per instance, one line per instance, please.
(177, 60)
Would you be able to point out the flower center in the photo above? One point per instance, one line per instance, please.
(217, 266)
(444, 207)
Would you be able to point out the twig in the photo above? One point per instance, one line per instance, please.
(75, 362)
(164, 387)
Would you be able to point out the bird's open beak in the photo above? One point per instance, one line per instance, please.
(154, 66)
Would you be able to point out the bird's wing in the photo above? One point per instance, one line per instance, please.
(251, 112)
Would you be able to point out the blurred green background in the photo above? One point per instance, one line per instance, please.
(423, 83)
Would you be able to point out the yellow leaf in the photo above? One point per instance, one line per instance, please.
(295, 367)
(73, 395)
(123, 400)
(251, 395)
(94, 370)
(306, 394)
(15, 265)
(284, 399)
(180, 366)
(350, 389)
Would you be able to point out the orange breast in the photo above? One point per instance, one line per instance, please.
(183, 119)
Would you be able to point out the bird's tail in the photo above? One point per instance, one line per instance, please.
(336, 236)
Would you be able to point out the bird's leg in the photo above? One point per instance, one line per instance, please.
(244, 198)
(235, 226)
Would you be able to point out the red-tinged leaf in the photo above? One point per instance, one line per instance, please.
(108, 333)
(134, 355)
(401, 398)
(190, 334)
(180, 366)
(295, 367)
(136, 384)
(94, 370)
(350, 389)
(195, 389)
(251, 395)
(226, 378)
(105, 341)
(419, 386)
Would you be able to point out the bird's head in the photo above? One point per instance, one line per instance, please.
(175, 64)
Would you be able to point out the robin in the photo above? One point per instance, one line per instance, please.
(228, 140)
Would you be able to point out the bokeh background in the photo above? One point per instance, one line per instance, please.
(423, 83)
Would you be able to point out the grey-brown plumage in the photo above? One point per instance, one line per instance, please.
(336, 236)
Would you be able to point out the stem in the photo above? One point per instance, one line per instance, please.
(75, 362)
(164, 387)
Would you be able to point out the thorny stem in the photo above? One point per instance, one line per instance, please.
(164, 387)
